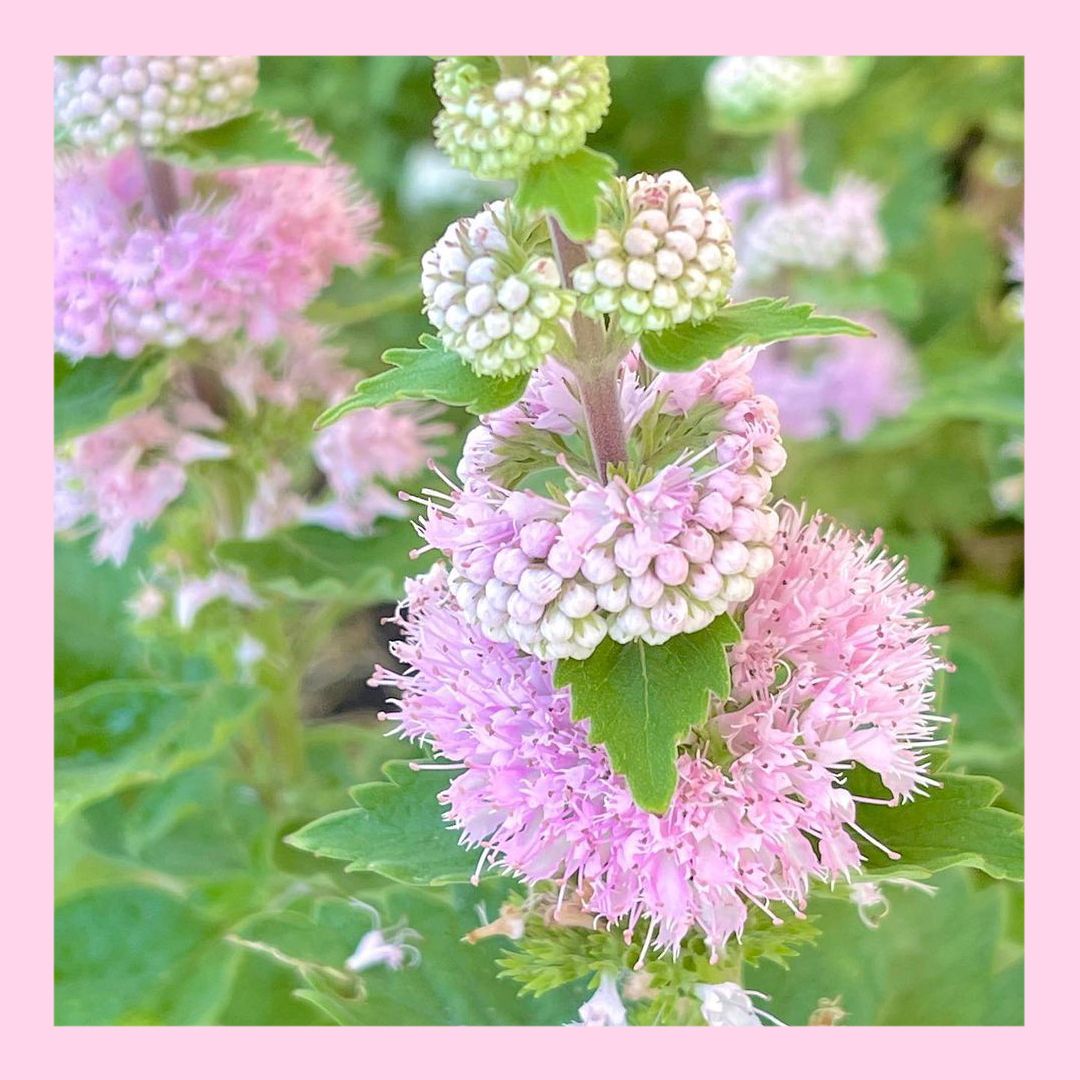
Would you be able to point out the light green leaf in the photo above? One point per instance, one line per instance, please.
(933, 960)
(568, 187)
(429, 373)
(308, 562)
(956, 825)
(642, 700)
(101, 389)
(256, 138)
(753, 322)
(115, 735)
(396, 830)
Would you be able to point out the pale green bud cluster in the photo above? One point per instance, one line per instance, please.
(115, 101)
(662, 256)
(496, 125)
(762, 93)
(495, 297)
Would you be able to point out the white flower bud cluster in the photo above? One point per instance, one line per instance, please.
(666, 258)
(495, 298)
(646, 562)
(761, 93)
(112, 102)
(497, 125)
(815, 232)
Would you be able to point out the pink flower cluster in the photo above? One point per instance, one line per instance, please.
(123, 476)
(835, 668)
(808, 231)
(358, 456)
(247, 248)
(842, 383)
(660, 551)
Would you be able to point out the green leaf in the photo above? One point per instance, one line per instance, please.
(396, 830)
(956, 825)
(989, 391)
(429, 373)
(642, 700)
(568, 187)
(355, 298)
(308, 562)
(132, 954)
(101, 389)
(256, 138)
(88, 593)
(933, 960)
(753, 322)
(453, 983)
(115, 735)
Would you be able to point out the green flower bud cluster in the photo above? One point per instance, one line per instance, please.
(497, 124)
(763, 93)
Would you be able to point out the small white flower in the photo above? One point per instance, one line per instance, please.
(729, 1005)
(604, 1008)
(392, 949)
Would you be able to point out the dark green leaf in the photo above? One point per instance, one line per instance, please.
(308, 562)
(429, 373)
(397, 830)
(256, 138)
(115, 735)
(568, 187)
(956, 825)
(753, 322)
(642, 700)
(100, 389)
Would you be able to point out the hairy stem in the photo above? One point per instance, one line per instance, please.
(160, 187)
(787, 152)
(595, 366)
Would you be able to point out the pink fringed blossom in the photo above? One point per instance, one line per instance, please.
(835, 668)
(365, 450)
(123, 476)
(846, 384)
(647, 554)
(301, 365)
(247, 248)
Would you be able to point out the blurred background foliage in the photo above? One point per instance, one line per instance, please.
(177, 901)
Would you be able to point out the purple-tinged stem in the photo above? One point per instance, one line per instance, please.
(594, 366)
(161, 187)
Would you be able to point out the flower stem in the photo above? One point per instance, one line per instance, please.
(787, 153)
(595, 365)
(161, 187)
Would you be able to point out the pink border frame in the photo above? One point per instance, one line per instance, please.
(1038, 31)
